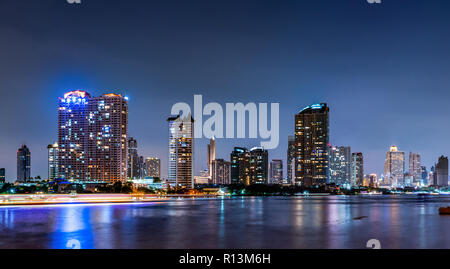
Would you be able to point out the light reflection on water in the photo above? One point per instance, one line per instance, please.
(241, 222)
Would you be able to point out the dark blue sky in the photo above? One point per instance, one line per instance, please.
(384, 69)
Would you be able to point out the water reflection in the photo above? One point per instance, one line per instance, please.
(241, 222)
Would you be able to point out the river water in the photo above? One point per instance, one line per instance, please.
(250, 222)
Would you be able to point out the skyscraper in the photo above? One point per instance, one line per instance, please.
(23, 164)
(311, 145)
(221, 172)
(340, 165)
(2, 175)
(357, 169)
(211, 155)
(276, 171)
(153, 167)
(92, 137)
(133, 159)
(415, 169)
(394, 166)
(258, 172)
(181, 149)
(239, 166)
(291, 159)
(53, 151)
(441, 171)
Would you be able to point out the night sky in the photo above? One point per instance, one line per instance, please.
(384, 69)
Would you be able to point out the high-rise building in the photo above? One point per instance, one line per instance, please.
(415, 169)
(239, 166)
(221, 172)
(2, 175)
(276, 172)
(357, 169)
(53, 151)
(311, 145)
(23, 164)
(291, 159)
(142, 171)
(258, 172)
(153, 167)
(441, 171)
(211, 155)
(133, 159)
(424, 175)
(394, 166)
(92, 137)
(181, 149)
(373, 181)
(340, 165)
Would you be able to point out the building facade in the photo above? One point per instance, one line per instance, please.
(181, 149)
(221, 172)
(92, 137)
(2, 175)
(23, 164)
(276, 172)
(311, 145)
(290, 166)
(211, 154)
(415, 168)
(357, 169)
(441, 171)
(394, 166)
(132, 159)
(239, 166)
(153, 167)
(340, 165)
(53, 152)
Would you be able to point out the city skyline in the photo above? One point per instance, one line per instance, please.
(379, 105)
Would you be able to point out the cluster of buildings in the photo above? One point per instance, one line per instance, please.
(94, 146)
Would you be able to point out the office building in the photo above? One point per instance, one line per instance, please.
(23, 164)
(239, 166)
(441, 171)
(276, 172)
(211, 154)
(311, 145)
(415, 169)
(357, 169)
(394, 167)
(53, 152)
(290, 166)
(340, 165)
(153, 167)
(221, 172)
(132, 159)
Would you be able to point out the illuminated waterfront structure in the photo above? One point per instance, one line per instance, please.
(53, 151)
(291, 159)
(258, 169)
(311, 145)
(340, 165)
(441, 171)
(276, 172)
(415, 169)
(221, 172)
(181, 149)
(357, 169)
(153, 167)
(23, 164)
(394, 166)
(239, 166)
(92, 137)
(211, 155)
(2, 175)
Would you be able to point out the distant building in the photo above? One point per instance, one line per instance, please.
(53, 152)
(394, 166)
(239, 165)
(311, 145)
(441, 171)
(373, 181)
(211, 155)
(290, 166)
(357, 169)
(92, 137)
(340, 165)
(132, 159)
(276, 172)
(153, 167)
(221, 172)
(424, 175)
(258, 172)
(415, 169)
(181, 150)
(23, 164)
(2, 175)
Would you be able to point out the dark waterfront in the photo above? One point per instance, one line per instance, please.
(250, 222)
